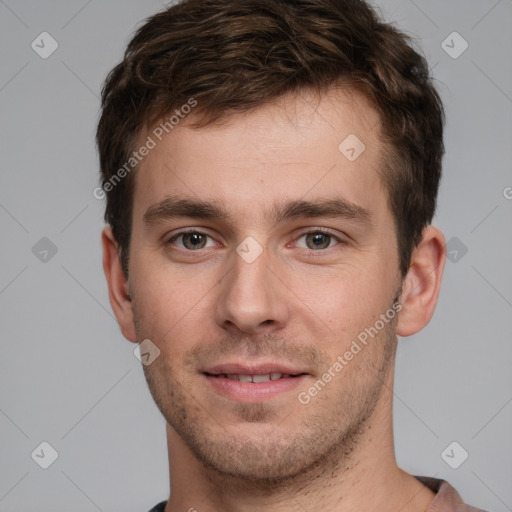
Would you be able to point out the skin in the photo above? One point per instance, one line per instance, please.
(295, 303)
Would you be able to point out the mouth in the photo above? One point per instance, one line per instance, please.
(253, 384)
(255, 378)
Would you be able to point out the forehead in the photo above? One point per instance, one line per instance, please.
(298, 146)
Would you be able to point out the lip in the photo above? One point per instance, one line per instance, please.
(253, 392)
(251, 369)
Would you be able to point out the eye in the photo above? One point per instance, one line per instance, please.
(318, 239)
(191, 240)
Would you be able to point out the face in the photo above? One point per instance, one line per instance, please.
(260, 251)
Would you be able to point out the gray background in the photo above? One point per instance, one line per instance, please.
(69, 378)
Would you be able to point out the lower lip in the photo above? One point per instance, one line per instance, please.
(254, 391)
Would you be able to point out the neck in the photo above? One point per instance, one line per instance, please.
(366, 478)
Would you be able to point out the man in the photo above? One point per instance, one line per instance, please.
(271, 170)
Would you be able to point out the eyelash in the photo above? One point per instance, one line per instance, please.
(305, 233)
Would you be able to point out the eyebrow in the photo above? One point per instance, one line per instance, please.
(174, 207)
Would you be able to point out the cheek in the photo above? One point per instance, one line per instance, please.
(345, 290)
(160, 303)
(170, 306)
(345, 302)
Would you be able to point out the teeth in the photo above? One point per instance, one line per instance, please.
(256, 378)
(261, 378)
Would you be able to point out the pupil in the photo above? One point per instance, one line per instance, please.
(319, 240)
(194, 240)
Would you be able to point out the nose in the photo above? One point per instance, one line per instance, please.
(251, 298)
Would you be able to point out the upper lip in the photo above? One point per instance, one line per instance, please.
(252, 369)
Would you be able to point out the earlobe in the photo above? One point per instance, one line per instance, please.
(422, 283)
(118, 289)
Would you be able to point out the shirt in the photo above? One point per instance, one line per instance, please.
(447, 498)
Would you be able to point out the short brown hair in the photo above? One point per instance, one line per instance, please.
(232, 55)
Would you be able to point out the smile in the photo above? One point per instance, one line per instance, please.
(254, 387)
(265, 377)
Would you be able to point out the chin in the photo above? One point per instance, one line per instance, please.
(255, 463)
(253, 457)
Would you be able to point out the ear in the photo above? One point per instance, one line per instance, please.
(117, 285)
(422, 282)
